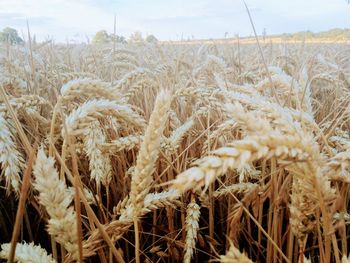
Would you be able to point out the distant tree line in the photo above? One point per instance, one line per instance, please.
(10, 35)
(335, 33)
(102, 36)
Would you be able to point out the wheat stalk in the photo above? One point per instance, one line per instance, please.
(118, 227)
(142, 176)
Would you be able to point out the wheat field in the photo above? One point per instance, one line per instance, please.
(175, 153)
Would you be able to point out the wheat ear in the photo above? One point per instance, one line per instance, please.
(192, 226)
(345, 259)
(75, 89)
(99, 163)
(81, 117)
(10, 158)
(242, 152)
(233, 255)
(56, 198)
(142, 177)
(124, 143)
(27, 252)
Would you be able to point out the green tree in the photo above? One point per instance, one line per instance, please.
(136, 37)
(118, 39)
(151, 39)
(101, 37)
(10, 35)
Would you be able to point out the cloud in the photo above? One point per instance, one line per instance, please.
(57, 17)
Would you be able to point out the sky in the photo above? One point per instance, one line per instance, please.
(79, 20)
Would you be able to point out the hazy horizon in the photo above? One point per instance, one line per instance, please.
(169, 20)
